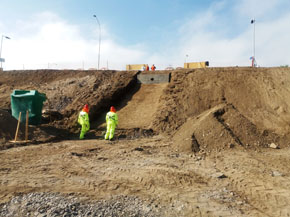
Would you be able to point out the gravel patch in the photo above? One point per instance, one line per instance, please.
(54, 205)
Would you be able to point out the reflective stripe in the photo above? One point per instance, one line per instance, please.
(112, 117)
(83, 118)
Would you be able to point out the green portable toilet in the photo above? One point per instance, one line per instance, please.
(27, 100)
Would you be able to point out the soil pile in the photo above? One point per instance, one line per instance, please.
(253, 103)
(8, 126)
(247, 106)
(67, 92)
(219, 128)
(36, 134)
(260, 94)
(206, 161)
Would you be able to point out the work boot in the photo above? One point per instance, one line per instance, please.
(82, 136)
(111, 139)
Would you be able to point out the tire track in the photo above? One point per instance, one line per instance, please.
(259, 187)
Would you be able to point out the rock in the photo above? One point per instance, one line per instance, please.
(240, 203)
(274, 146)
(276, 173)
(231, 145)
(139, 149)
(219, 175)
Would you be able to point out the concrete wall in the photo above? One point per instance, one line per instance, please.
(195, 65)
(153, 78)
(135, 67)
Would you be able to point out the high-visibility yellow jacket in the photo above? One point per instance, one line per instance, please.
(83, 119)
(112, 118)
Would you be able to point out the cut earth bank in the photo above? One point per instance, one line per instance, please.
(195, 146)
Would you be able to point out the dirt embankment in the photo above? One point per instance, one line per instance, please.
(8, 132)
(249, 105)
(68, 91)
(209, 159)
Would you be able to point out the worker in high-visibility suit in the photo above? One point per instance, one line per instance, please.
(112, 122)
(84, 121)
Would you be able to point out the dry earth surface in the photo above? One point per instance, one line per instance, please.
(211, 142)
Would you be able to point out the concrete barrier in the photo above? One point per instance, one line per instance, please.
(153, 78)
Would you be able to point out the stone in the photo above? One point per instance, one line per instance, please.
(274, 146)
(276, 173)
(219, 175)
(231, 145)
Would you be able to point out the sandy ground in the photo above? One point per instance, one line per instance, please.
(236, 182)
(208, 153)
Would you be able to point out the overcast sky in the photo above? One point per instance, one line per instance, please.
(63, 34)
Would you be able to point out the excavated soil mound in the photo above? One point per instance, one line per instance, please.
(260, 94)
(67, 91)
(35, 134)
(8, 126)
(201, 108)
(255, 111)
(221, 127)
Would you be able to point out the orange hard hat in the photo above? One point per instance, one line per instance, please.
(86, 108)
(112, 109)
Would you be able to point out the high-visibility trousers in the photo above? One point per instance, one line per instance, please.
(84, 130)
(111, 126)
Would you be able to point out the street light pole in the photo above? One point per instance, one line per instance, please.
(186, 58)
(254, 39)
(254, 50)
(99, 41)
(3, 36)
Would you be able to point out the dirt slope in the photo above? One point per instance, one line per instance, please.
(256, 114)
(219, 128)
(140, 109)
(8, 126)
(209, 155)
(68, 91)
(260, 94)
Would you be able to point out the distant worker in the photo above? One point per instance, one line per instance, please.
(147, 67)
(153, 67)
(84, 121)
(253, 61)
(112, 122)
(143, 68)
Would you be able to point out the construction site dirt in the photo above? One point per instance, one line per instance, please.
(210, 142)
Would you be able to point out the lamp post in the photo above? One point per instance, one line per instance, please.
(185, 64)
(254, 51)
(99, 40)
(2, 60)
(186, 57)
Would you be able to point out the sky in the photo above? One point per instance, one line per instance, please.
(64, 34)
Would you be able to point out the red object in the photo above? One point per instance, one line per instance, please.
(147, 68)
(86, 108)
(112, 109)
(153, 67)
